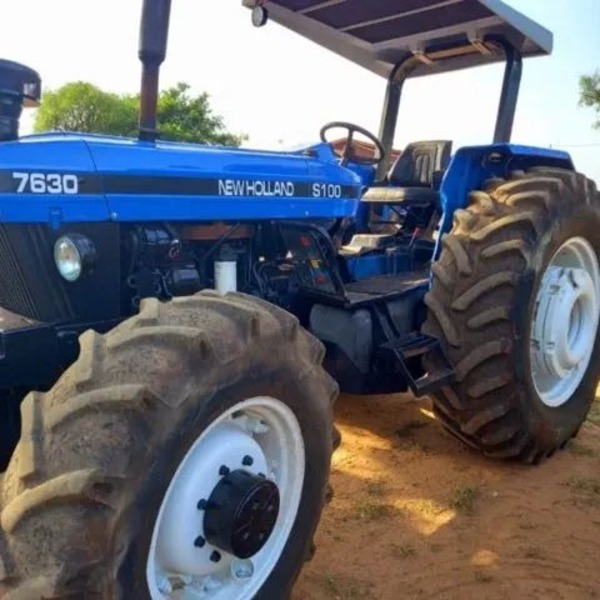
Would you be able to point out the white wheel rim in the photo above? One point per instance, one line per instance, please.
(264, 429)
(565, 322)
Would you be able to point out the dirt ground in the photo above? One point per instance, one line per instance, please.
(416, 515)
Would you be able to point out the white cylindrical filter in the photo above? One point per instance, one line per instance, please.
(225, 276)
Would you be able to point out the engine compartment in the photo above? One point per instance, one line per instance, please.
(173, 259)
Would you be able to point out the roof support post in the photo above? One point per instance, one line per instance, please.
(389, 118)
(510, 92)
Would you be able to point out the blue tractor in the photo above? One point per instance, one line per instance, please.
(175, 317)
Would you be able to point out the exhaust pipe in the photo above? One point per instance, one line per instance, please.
(154, 31)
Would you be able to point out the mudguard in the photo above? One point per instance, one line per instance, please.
(470, 167)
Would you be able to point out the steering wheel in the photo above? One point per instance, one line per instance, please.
(347, 155)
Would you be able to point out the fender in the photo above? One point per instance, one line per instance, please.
(470, 167)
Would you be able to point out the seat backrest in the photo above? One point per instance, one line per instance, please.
(418, 162)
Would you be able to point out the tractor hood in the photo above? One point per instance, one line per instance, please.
(62, 178)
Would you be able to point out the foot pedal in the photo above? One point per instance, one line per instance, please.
(418, 345)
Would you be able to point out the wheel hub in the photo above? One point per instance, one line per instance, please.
(565, 322)
(567, 297)
(230, 506)
(241, 513)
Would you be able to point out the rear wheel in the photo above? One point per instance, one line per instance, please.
(185, 454)
(515, 300)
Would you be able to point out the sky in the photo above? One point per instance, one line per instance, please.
(280, 89)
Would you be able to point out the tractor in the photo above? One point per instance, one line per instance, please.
(177, 319)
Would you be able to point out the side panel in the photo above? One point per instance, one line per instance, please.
(175, 182)
(471, 167)
(68, 178)
(38, 181)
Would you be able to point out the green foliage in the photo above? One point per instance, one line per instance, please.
(190, 119)
(589, 90)
(81, 106)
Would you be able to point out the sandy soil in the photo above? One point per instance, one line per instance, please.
(416, 515)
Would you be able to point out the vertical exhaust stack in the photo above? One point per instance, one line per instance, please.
(154, 32)
(20, 87)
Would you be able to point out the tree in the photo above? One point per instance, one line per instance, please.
(589, 87)
(191, 119)
(81, 106)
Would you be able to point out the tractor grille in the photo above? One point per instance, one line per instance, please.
(14, 294)
(29, 283)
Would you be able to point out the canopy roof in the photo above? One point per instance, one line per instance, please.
(445, 35)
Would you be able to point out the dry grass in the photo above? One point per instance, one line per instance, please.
(376, 489)
(594, 414)
(344, 588)
(403, 550)
(586, 489)
(464, 499)
(579, 449)
(372, 511)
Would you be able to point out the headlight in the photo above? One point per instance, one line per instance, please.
(260, 16)
(74, 256)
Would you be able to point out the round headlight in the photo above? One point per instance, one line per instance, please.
(260, 16)
(74, 255)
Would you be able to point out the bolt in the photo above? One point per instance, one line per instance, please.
(224, 471)
(256, 426)
(202, 504)
(199, 542)
(163, 583)
(247, 461)
(215, 556)
(242, 569)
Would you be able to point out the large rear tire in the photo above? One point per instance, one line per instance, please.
(125, 477)
(515, 300)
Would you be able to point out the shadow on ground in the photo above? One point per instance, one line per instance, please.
(416, 515)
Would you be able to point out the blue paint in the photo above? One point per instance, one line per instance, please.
(376, 263)
(110, 156)
(49, 153)
(91, 156)
(470, 167)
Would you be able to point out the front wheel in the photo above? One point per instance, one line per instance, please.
(184, 455)
(515, 300)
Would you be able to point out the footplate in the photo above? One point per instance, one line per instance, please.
(418, 345)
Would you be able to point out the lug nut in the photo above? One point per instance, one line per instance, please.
(247, 461)
(242, 569)
(224, 471)
(163, 583)
(202, 504)
(199, 542)
(215, 556)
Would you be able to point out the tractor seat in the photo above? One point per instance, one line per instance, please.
(415, 196)
(365, 242)
(413, 178)
(411, 186)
